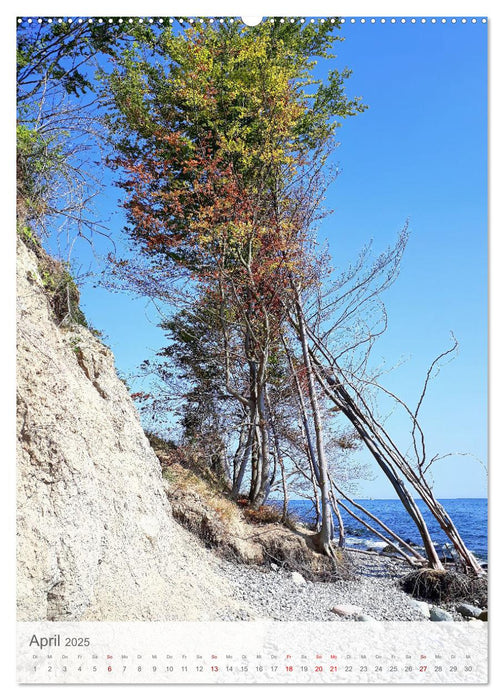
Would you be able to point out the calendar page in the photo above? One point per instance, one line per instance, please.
(252, 342)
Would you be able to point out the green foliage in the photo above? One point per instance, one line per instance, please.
(60, 53)
(39, 161)
(27, 235)
(222, 134)
(215, 130)
(193, 354)
(62, 291)
(237, 87)
(54, 70)
(75, 345)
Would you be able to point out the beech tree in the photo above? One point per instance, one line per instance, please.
(218, 138)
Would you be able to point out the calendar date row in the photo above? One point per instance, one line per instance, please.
(348, 668)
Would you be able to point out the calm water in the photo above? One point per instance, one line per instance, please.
(468, 514)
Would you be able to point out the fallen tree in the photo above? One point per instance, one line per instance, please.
(345, 388)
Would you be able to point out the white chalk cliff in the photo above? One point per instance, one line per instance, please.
(96, 539)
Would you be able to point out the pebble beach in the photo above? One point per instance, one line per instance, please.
(371, 594)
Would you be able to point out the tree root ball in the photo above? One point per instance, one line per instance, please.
(445, 586)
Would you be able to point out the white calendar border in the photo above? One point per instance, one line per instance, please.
(227, 7)
(261, 651)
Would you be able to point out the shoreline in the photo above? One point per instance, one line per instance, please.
(371, 595)
(359, 538)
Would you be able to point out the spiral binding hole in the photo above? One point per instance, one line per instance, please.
(253, 21)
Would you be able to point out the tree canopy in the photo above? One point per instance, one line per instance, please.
(217, 129)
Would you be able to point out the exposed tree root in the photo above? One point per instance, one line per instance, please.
(445, 586)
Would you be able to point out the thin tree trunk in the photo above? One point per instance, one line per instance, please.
(369, 527)
(278, 452)
(245, 459)
(254, 476)
(263, 474)
(327, 529)
(379, 522)
(351, 412)
(388, 458)
(237, 460)
(302, 410)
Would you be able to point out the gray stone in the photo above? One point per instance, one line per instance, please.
(345, 610)
(422, 607)
(365, 618)
(440, 615)
(297, 578)
(274, 566)
(468, 610)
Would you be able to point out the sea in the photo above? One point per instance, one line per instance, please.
(469, 515)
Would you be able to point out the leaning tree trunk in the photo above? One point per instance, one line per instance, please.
(413, 558)
(466, 557)
(445, 522)
(349, 409)
(332, 389)
(390, 460)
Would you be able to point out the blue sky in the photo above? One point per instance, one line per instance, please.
(418, 152)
